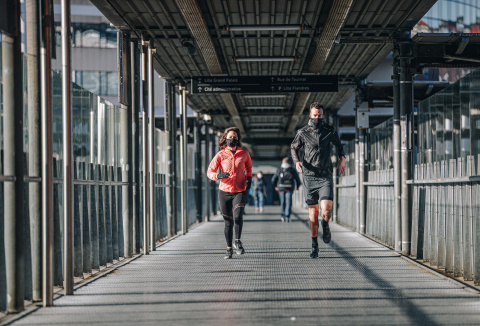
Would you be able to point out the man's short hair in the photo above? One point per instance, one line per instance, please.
(316, 105)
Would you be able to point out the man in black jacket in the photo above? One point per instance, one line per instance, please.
(285, 181)
(315, 139)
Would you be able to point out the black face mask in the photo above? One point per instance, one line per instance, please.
(315, 122)
(232, 142)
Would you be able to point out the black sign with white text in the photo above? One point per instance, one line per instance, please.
(264, 84)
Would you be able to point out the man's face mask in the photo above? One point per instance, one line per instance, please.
(315, 122)
(232, 142)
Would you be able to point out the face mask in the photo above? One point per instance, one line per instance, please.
(232, 142)
(315, 122)
(259, 176)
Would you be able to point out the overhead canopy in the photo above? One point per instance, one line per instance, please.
(331, 37)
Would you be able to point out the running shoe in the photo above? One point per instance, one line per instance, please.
(327, 235)
(314, 252)
(229, 254)
(239, 247)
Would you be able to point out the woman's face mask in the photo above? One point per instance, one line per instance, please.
(259, 175)
(232, 142)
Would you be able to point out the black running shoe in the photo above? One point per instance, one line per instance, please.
(229, 254)
(327, 235)
(314, 252)
(239, 247)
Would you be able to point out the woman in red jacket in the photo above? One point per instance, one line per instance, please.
(235, 181)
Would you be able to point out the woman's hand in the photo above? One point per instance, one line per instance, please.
(223, 175)
(249, 183)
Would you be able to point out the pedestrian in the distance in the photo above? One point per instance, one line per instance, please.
(259, 192)
(235, 180)
(285, 181)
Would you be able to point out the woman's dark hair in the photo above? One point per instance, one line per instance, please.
(223, 140)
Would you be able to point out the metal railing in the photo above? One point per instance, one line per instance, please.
(98, 218)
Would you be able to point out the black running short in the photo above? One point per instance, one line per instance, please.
(317, 188)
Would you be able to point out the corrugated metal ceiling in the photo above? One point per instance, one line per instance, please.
(365, 30)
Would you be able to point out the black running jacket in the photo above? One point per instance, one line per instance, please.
(315, 142)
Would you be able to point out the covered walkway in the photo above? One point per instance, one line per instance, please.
(187, 282)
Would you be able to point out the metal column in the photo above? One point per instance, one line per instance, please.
(357, 169)
(146, 242)
(335, 178)
(183, 160)
(67, 151)
(213, 197)
(169, 115)
(173, 131)
(126, 153)
(151, 147)
(207, 180)
(198, 167)
(397, 154)
(135, 166)
(34, 139)
(13, 163)
(361, 102)
(406, 109)
(47, 153)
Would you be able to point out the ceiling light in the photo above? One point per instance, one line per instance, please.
(264, 59)
(265, 129)
(254, 28)
(264, 107)
(265, 96)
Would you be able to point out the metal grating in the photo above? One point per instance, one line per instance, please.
(186, 281)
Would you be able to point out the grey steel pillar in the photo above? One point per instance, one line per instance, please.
(198, 167)
(67, 151)
(169, 115)
(13, 163)
(360, 161)
(213, 196)
(151, 146)
(361, 172)
(144, 63)
(34, 139)
(183, 160)
(135, 120)
(357, 174)
(173, 131)
(335, 177)
(397, 179)
(406, 109)
(47, 153)
(207, 181)
(126, 140)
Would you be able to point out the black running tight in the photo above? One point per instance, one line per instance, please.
(232, 206)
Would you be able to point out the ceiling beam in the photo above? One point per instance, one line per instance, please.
(200, 32)
(336, 19)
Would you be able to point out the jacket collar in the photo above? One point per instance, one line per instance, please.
(229, 152)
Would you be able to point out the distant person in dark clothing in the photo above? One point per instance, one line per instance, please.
(315, 139)
(259, 192)
(285, 181)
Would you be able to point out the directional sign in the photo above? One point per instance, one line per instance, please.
(264, 84)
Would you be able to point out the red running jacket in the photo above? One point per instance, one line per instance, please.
(235, 164)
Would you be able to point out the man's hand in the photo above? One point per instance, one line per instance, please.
(341, 165)
(298, 166)
(223, 175)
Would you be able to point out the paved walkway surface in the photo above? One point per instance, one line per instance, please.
(187, 282)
